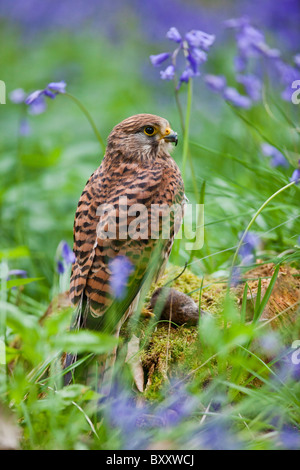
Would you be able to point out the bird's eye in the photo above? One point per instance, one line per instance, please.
(149, 130)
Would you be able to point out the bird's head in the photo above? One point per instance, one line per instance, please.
(142, 136)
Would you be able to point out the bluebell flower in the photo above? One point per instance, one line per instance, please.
(240, 63)
(270, 343)
(289, 437)
(174, 35)
(60, 267)
(57, 87)
(177, 406)
(286, 368)
(38, 105)
(168, 73)
(122, 413)
(297, 60)
(196, 38)
(215, 82)
(251, 41)
(158, 59)
(36, 99)
(287, 75)
(16, 273)
(234, 97)
(67, 254)
(121, 268)
(24, 128)
(34, 96)
(296, 175)
(250, 243)
(65, 257)
(17, 96)
(195, 58)
(194, 47)
(252, 85)
(277, 158)
(186, 75)
(236, 276)
(215, 435)
(236, 23)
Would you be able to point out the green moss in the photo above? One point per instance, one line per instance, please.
(190, 284)
(173, 352)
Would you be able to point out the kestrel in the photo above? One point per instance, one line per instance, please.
(137, 166)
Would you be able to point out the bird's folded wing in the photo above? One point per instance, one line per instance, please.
(103, 229)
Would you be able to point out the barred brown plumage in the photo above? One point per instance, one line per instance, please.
(136, 165)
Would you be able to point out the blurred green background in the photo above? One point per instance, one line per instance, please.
(102, 51)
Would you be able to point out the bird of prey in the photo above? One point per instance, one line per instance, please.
(137, 166)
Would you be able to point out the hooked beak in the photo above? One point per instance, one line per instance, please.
(170, 136)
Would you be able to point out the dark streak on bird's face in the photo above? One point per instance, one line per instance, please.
(144, 135)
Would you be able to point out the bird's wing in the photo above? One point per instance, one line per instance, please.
(152, 184)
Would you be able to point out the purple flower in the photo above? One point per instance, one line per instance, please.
(196, 38)
(16, 272)
(297, 60)
(296, 175)
(287, 366)
(186, 75)
(236, 22)
(250, 243)
(235, 276)
(168, 74)
(33, 96)
(24, 127)
(267, 51)
(215, 82)
(121, 268)
(67, 257)
(216, 435)
(121, 411)
(289, 437)
(248, 40)
(58, 87)
(17, 96)
(158, 59)
(252, 84)
(177, 406)
(38, 105)
(278, 158)
(174, 35)
(67, 254)
(36, 99)
(233, 96)
(270, 343)
(287, 93)
(196, 57)
(60, 267)
(240, 63)
(251, 42)
(193, 48)
(287, 73)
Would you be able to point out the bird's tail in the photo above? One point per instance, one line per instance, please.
(68, 360)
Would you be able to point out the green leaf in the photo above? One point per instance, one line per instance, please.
(244, 303)
(259, 310)
(20, 282)
(12, 253)
(86, 341)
